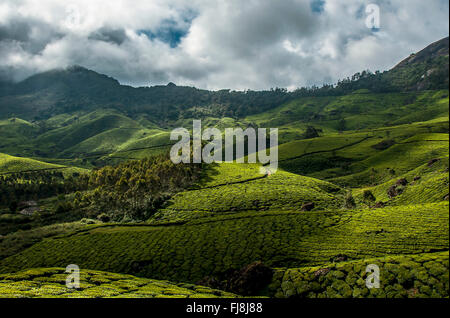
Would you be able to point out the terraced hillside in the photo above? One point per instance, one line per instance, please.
(360, 110)
(427, 183)
(411, 276)
(51, 283)
(242, 187)
(188, 252)
(362, 158)
(11, 164)
(363, 179)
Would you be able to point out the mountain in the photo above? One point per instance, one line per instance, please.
(86, 179)
(425, 70)
(78, 89)
(428, 69)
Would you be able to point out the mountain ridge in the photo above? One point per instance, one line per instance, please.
(77, 88)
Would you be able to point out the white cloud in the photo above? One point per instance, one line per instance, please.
(254, 44)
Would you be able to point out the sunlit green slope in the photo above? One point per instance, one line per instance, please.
(51, 283)
(189, 251)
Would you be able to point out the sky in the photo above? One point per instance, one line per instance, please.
(216, 44)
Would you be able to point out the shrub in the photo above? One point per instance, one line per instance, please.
(87, 221)
(432, 162)
(395, 191)
(385, 144)
(311, 132)
(379, 205)
(104, 217)
(368, 196)
(350, 201)
(251, 279)
(402, 182)
(308, 206)
(64, 207)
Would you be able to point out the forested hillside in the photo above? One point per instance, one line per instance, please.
(86, 179)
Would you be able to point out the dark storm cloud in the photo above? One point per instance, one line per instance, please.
(117, 36)
(32, 35)
(236, 44)
(15, 30)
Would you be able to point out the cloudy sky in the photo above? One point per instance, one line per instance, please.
(214, 44)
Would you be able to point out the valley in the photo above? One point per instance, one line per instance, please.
(362, 179)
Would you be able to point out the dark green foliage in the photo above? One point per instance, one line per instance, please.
(408, 276)
(51, 283)
(104, 217)
(308, 206)
(135, 190)
(368, 196)
(349, 201)
(13, 206)
(213, 245)
(372, 133)
(394, 191)
(251, 279)
(64, 207)
(385, 144)
(311, 132)
(24, 186)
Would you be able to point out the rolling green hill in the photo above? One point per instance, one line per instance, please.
(51, 283)
(190, 251)
(406, 276)
(10, 164)
(362, 179)
(240, 187)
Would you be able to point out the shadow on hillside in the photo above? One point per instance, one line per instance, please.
(208, 172)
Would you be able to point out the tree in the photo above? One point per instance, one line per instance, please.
(311, 132)
(349, 201)
(368, 196)
(342, 125)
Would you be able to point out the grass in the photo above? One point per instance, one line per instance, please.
(51, 283)
(426, 184)
(13, 243)
(240, 187)
(11, 164)
(397, 160)
(403, 276)
(340, 155)
(85, 127)
(235, 216)
(360, 111)
(188, 252)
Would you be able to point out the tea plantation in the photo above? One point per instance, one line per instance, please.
(190, 251)
(51, 283)
(244, 189)
(362, 179)
(405, 276)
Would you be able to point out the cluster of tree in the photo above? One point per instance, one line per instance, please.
(23, 186)
(134, 190)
